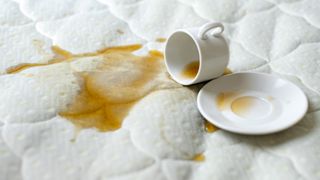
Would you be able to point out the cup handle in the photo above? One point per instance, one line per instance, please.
(207, 27)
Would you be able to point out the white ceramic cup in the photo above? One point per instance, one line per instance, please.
(204, 44)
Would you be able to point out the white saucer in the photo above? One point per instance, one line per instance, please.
(252, 103)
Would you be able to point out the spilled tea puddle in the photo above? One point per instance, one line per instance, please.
(248, 107)
(242, 105)
(109, 92)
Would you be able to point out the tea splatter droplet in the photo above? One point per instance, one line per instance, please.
(209, 128)
(199, 158)
(161, 40)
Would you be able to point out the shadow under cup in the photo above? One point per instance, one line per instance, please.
(181, 50)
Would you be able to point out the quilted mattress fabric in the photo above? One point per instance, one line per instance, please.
(162, 137)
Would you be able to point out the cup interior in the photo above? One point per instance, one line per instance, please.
(182, 57)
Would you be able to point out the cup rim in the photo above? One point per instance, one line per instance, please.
(177, 79)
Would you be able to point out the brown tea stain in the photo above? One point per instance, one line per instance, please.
(59, 56)
(209, 127)
(223, 100)
(199, 158)
(241, 105)
(23, 66)
(227, 71)
(107, 94)
(156, 53)
(190, 71)
(161, 40)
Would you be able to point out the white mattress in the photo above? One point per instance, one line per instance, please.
(156, 140)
